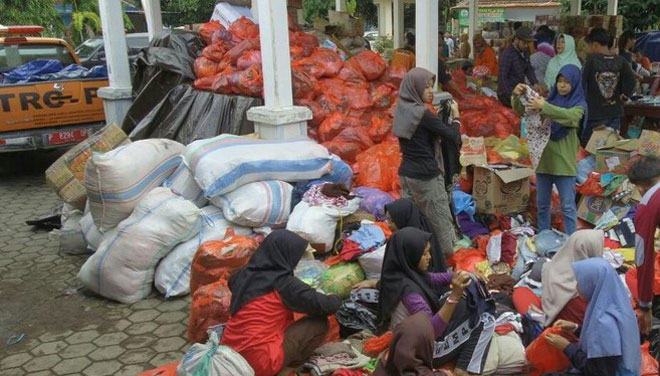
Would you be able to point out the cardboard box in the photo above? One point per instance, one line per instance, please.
(649, 143)
(473, 152)
(615, 158)
(602, 137)
(591, 208)
(350, 26)
(66, 175)
(501, 188)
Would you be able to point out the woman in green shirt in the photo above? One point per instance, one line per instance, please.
(565, 109)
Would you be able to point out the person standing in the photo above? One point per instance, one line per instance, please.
(515, 66)
(566, 54)
(464, 47)
(608, 80)
(451, 45)
(422, 136)
(544, 51)
(484, 55)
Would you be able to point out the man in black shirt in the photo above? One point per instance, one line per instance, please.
(608, 81)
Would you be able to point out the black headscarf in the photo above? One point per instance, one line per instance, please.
(269, 269)
(404, 213)
(400, 276)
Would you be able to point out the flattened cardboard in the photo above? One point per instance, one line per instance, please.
(473, 152)
(649, 143)
(501, 190)
(615, 157)
(602, 137)
(591, 208)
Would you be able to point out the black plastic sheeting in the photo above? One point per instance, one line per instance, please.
(164, 65)
(186, 115)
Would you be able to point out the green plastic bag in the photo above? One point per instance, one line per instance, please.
(339, 279)
(512, 148)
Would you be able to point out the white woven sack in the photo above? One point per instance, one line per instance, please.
(226, 162)
(71, 235)
(183, 183)
(123, 267)
(91, 233)
(117, 180)
(173, 272)
(264, 203)
(372, 262)
(216, 359)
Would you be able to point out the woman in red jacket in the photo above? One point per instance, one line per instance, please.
(264, 296)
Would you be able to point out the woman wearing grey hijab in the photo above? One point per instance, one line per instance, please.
(429, 147)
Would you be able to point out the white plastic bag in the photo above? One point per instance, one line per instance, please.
(372, 262)
(259, 204)
(117, 180)
(212, 359)
(71, 235)
(91, 234)
(123, 267)
(183, 183)
(226, 162)
(173, 272)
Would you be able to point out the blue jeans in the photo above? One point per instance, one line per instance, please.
(566, 187)
(585, 133)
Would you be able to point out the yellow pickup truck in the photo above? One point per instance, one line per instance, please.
(45, 114)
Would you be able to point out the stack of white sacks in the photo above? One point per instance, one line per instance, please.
(148, 209)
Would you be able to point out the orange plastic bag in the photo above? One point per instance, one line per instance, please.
(166, 370)
(318, 113)
(208, 29)
(248, 59)
(219, 259)
(243, 28)
(592, 186)
(359, 99)
(649, 363)
(251, 81)
(205, 83)
(394, 75)
(357, 135)
(347, 151)
(227, 81)
(210, 307)
(330, 60)
(311, 66)
(543, 358)
(304, 84)
(370, 63)
(377, 167)
(376, 345)
(351, 73)
(380, 127)
(382, 96)
(466, 259)
(335, 123)
(215, 51)
(205, 67)
(238, 50)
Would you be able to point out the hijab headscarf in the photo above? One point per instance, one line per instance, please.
(269, 269)
(575, 98)
(410, 107)
(404, 213)
(479, 43)
(610, 324)
(400, 276)
(558, 280)
(569, 56)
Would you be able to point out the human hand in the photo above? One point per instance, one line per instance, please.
(557, 341)
(537, 103)
(454, 109)
(566, 326)
(460, 281)
(366, 284)
(645, 320)
(519, 89)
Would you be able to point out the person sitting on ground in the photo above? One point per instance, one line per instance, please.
(515, 66)
(265, 294)
(467, 68)
(645, 174)
(566, 54)
(565, 109)
(560, 299)
(609, 336)
(407, 288)
(484, 55)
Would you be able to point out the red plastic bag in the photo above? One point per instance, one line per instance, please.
(347, 151)
(379, 128)
(215, 51)
(304, 84)
(357, 135)
(227, 81)
(466, 258)
(210, 307)
(248, 59)
(205, 67)
(308, 42)
(359, 99)
(330, 60)
(205, 83)
(318, 113)
(334, 123)
(649, 363)
(243, 28)
(394, 75)
(311, 66)
(251, 81)
(219, 259)
(378, 166)
(591, 187)
(166, 370)
(351, 73)
(382, 96)
(370, 64)
(208, 29)
(544, 358)
(631, 279)
(238, 50)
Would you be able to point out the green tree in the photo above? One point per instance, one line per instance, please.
(190, 11)
(637, 15)
(32, 12)
(85, 20)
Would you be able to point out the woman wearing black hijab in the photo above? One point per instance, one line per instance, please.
(265, 294)
(406, 288)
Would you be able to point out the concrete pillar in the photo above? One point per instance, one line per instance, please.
(278, 118)
(612, 7)
(254, 11)
(426, 38)
(381, 19)
(576, 7)
(340, 5)
(153, 16)
(473, 8)
(117, 97)
(388, 18)
(398, 29)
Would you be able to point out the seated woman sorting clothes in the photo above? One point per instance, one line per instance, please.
(454, 302)
(265, 294)
(560, 297)
(609, 335)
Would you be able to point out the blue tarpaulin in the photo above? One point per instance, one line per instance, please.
(649, 44)
(51, 70)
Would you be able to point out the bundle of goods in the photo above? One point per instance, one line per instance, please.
(483, 116)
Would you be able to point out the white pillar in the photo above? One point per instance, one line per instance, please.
(426, 37)
(381, 19)
(278, 118)
(254, 11)
(340, 5)
(473, 8)
(388, 18)
(153, 16)
(612, 7)
(398, 24)
(576, 7)
(117, 97)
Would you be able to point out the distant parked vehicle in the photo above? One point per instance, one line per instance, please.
(371, 35)
(92, 53)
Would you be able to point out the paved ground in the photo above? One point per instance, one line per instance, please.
(67, 329)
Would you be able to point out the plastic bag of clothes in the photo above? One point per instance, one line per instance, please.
(209, 307)
(173, 272)
(372, 262)
(543, 358)
(371, 65)
(183, 183)
(466, 259)
(216, 260)
(243, 28)
(310, 272)
(213, 359)
(259, 204)
(341, 278)
(331, 61)
(117, 180)
(222, 164)
(373, 201)
(91, 234)
(208, 29)
(123, 267)
(317, 224)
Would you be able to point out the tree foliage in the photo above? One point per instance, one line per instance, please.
(637, 15)
(190, 11)
(86, 21)
(31, 12)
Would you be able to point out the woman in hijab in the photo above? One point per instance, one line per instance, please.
(541, 58)
(566, 54)
(425, 167)
(484, 55)
(609, 335)
(406, 288)
(264, 296)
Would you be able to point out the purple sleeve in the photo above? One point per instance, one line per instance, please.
(414, 303)
(441, 279)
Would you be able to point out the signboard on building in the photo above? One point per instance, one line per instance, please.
(483, 15)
